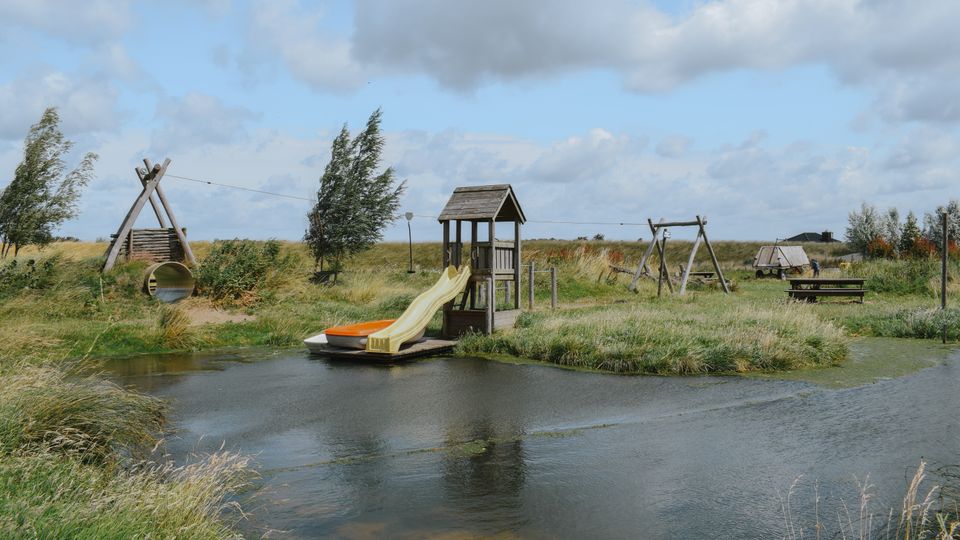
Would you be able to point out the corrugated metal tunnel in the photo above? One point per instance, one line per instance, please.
(169, 281)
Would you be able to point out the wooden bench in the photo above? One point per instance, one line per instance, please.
(810, 289)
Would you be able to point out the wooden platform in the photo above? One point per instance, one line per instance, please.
(427, 347)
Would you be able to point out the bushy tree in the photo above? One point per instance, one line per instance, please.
(354, 203)
(890, 223)
(42, 194)
(863, 227)
(933, 228)
(910, 233)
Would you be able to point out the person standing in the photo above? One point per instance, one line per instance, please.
(815, 264)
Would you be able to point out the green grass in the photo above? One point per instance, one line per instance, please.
(69, 444)
(699, 335)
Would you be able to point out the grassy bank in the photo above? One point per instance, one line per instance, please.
(668, 337)
(69, 311)
(72, 446)
(73, 463)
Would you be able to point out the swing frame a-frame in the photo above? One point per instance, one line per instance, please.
(659, 243)
(150, 181)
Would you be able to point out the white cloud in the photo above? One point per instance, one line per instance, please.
(285, 29)
(88, 22)
(197, 120)
(674, 146)
(903, 50)
(85, 104)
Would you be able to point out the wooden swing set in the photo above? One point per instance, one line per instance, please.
(660, 234)
(168, 243)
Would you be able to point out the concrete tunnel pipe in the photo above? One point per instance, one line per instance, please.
(169, 281)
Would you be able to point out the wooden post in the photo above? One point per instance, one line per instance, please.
(646, 254)
(458, 247)
(474, 254)
(663, 266)
(943, 269)
(516, 264)
(493, 248)
(491, 304)
(686, 271)
(187, 252)
(127, 224)
(446, 244)
(553, 287)
(142, 175)
(713, 256)
(530, 286)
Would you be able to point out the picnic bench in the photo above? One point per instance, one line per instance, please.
(810, 289)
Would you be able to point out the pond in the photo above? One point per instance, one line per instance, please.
(463, 447)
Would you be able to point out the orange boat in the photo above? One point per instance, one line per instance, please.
(354, 336)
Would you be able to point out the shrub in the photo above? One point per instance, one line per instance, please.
(235, 269)
(880, 249)
(173, 328)
(899, 277)
(16, 276)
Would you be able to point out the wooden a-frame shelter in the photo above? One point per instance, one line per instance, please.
(659, 243)
(169, 242)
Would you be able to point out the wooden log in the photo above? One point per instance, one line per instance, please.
(713, 256)
(686, 271)
(187, 252)
(491, 304)
(646, 255)
(129, 219)
(153, 200)
(516, 263)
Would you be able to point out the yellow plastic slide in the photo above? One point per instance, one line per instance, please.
(419, 312)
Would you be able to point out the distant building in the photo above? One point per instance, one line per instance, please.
(825, 236)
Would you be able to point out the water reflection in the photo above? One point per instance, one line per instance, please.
(459, 447)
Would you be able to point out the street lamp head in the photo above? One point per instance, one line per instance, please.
(409, 216)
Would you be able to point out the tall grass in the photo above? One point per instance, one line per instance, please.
(173, 328)
(916, 518)
(44, 495)
(71, 451)
(670, 337)
(44, 408)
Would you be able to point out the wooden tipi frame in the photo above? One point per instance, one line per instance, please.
(659, 243)
(150, 181)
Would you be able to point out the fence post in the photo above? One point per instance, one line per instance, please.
(553, 287)
(530, 287)
(491, 303)
(943, 270)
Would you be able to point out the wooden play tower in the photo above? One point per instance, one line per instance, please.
(495, 263)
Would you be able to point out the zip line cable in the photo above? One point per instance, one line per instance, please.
(208, 182)
(294, 197)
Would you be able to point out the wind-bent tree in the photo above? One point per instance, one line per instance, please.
(354, 202)
(42, 194)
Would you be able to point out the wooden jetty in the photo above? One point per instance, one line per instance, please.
(427, 347)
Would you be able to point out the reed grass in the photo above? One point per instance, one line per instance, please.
(671, 337)
(918, 516)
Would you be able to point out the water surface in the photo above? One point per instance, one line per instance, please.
(457, 447)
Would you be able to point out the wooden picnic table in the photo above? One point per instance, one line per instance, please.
(810, 288)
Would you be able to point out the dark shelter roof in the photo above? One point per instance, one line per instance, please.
(483, 203)
(810, 237)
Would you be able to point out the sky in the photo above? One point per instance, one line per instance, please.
(770, 118)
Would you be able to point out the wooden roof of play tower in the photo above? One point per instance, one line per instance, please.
(483, 203)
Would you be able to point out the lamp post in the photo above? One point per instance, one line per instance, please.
(409, 216)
